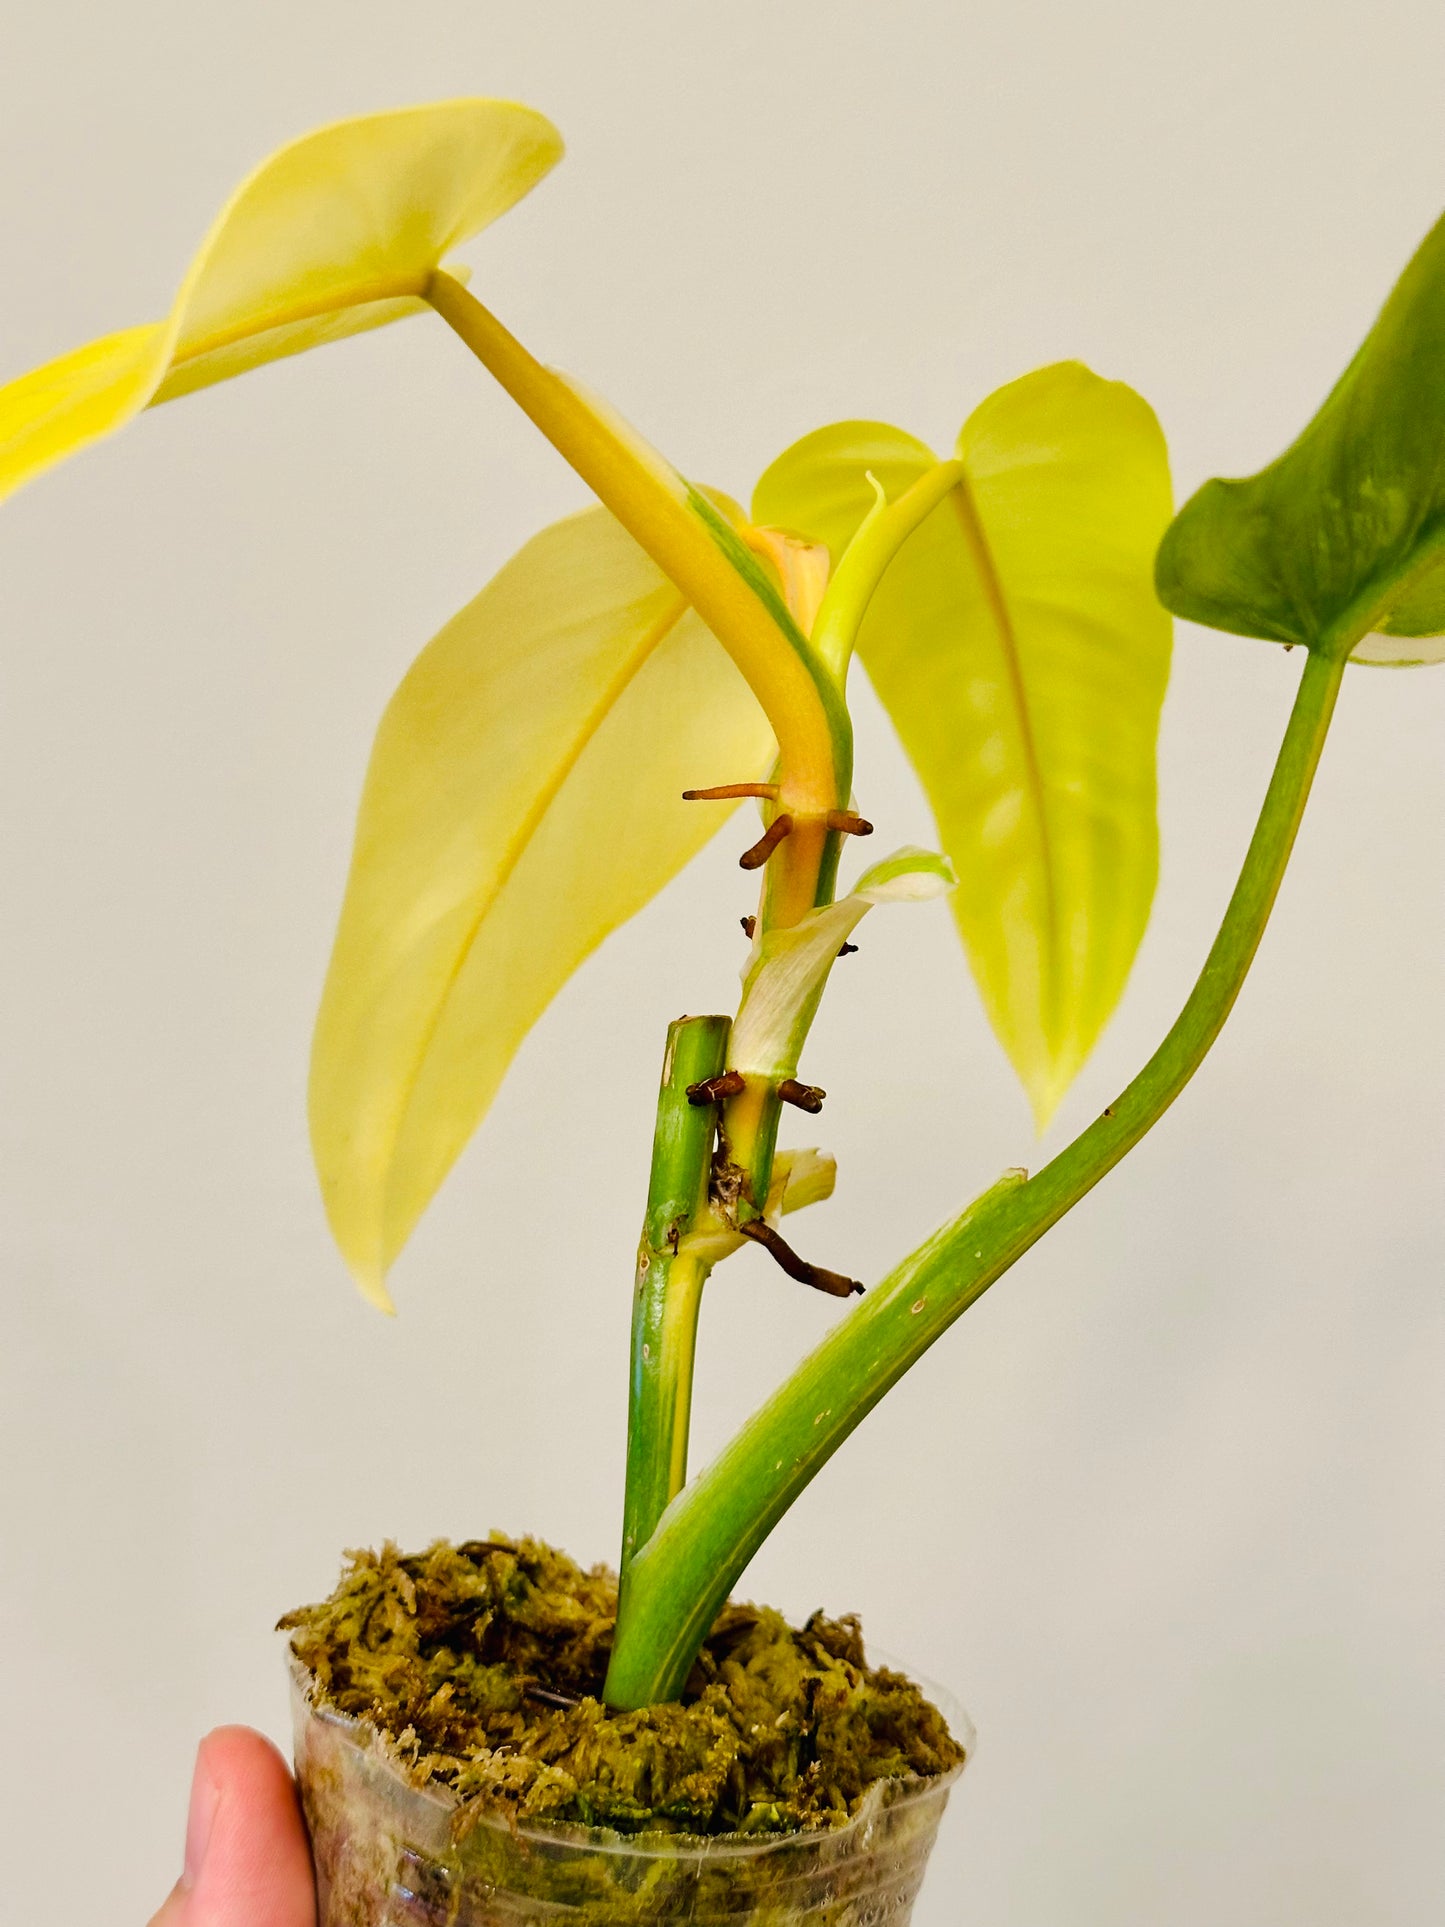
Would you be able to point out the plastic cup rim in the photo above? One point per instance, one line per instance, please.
(670, 1846)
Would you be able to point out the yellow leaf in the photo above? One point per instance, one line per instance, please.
(1019, 648)
(523, 800)
(334, 234)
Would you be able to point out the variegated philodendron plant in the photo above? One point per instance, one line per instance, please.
(575, 734)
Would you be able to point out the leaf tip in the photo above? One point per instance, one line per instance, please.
(1045, 1086)
(371, 1283)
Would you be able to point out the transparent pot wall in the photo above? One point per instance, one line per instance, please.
(390, 1855)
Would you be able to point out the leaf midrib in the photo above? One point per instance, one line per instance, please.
(976, 538)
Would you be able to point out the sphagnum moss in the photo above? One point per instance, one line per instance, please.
(483, 1664)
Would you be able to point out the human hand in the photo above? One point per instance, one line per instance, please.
(248, 1863)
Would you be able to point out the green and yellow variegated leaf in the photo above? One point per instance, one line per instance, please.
(334, 234)
(1340, 543)
(1022, 655)
(523, 800)
(789, 967)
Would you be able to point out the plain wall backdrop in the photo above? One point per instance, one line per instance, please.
(1164, 1510)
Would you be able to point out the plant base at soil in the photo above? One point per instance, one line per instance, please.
(457, 1772)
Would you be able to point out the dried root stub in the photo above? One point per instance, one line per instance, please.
(483, 1663)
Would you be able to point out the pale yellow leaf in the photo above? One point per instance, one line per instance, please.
(1020, 650)
(523, 799)
(334, 234)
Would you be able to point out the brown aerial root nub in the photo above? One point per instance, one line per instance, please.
(849, 822)
(772, 836)
(783, 1254)
(725, 792)
(712, 1090)
(807, 1097)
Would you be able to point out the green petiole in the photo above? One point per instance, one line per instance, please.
(707, 1535)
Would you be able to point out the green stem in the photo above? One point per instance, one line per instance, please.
(669, 1285)
(709, 1533)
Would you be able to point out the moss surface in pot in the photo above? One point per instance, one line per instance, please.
(556, 755)
(454, 1744)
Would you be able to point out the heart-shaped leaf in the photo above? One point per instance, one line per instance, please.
(1022, 654)
(334, 234)
(1340, 543)
(524, 798)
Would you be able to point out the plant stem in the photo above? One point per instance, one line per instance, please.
(685, 1571)
(689, 541)
(696, 546)
(669, 1283)
(802, 874)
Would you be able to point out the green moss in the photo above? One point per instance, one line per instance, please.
(483, 1663)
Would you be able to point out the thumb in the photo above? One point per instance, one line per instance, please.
(247, 1863)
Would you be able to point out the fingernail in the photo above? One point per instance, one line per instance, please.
(205, 1798)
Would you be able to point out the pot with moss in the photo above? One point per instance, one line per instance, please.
(485, 1732)
(458, 1762)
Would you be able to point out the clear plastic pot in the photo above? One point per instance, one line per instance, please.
(389, 1854)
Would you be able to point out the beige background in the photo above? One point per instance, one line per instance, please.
(1165, 1511)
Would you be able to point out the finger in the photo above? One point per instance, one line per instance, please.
(247, 1859)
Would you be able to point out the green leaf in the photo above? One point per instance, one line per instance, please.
(524, 798)
(1020, 650)
(1340, 543)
